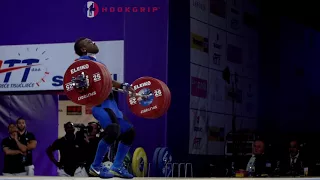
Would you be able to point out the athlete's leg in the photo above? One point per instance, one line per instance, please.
(126, 140)
(109, 123)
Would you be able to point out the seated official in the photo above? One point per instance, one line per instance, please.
(71, 154)
(293, 164)
(259, 164)
(14, 153)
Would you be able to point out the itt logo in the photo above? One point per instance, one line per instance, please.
(25, 70)
(13, 65)
(91, 9)
(197, 143)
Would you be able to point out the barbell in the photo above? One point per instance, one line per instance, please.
(89, 82)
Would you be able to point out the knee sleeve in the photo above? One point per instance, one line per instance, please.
(128, 136)
(112, 133)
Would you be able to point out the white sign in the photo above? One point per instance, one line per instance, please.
(199, 9)
(42, 66)
(198, 136)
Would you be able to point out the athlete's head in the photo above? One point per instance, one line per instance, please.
(83, 46)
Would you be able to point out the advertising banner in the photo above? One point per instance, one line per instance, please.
(235, 53)
(199, 41)
(218, 13)
(198, 132)
(235, 16)
(199, 9)
(199, 87)
(217, 93)
(42, 66)
(217, 131)
(217, 48)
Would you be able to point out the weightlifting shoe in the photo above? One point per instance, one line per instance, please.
(95, 171)
(105, 173)
(121, 172)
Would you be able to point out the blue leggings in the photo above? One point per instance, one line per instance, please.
(106, 118)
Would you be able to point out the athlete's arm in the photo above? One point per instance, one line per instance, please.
(116, 84)
(124, 86)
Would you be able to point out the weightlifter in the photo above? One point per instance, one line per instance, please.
(111, 120)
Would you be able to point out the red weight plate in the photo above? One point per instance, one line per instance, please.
(106, 73)
(168, 97)
(98, 82)
(152, 107)
(164, 106)
(107, 89)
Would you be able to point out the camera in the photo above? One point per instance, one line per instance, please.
(85, 130)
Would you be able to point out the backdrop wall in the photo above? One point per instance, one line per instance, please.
(292, 88)
(223, 33)
(144, 33)
(41, 115)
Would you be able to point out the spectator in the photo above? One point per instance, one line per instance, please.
(259, 164)
(293, 164)
(29, 140)
(14, 152)
(92, 138)
(71, 157)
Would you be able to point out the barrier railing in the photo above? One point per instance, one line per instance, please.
(177, 170)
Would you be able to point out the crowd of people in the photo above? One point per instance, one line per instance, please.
(263, 163)
(76, 149)
(17, 148)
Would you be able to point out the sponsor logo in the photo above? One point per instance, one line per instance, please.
(148, 83)
(199, 5)
(80, 68)
(149, 109)
(196, 122)
(196, 143)
(92, 9)
(31, 68)
(216, 43)
(199, 87)
(218, 8)
(24, 72)
(200, 43)
(216, 58)
(234, 54)
(87, 95)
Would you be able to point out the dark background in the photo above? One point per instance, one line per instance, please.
(289, 92)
